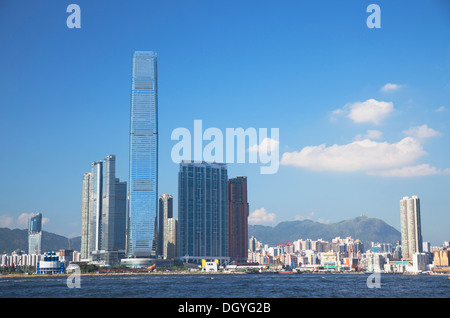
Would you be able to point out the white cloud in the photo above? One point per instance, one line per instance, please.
(6, 221)
(421, 132)
(267, 145)
(301, 217)
(440, 109)
(320, 220)
(412, 171)
(374, 134)
(389, 87)
(20, 222)
(361, 155)
(261, 216)
(371, 134)
(369, 111)
(309, 217)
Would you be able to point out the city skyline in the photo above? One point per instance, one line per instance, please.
(336, 89)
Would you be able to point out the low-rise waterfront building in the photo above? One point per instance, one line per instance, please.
(421, 262)
(50, 264)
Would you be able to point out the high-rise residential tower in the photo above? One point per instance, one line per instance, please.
(85, 223)
(238, 219)
(203, 211)
(410, 226)
(103, 213)
(143, 182)
(165, 213)
(95, 206)
(114, 207)
(170, 239)
(35, 234)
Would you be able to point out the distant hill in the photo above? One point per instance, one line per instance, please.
(363, 228)
(11, 240)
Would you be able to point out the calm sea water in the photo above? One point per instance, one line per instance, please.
(229, 286)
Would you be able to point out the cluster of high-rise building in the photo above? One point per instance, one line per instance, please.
(211, 224)
(410, 254)
(308, 254)
(103, 213)
(340, 254)
(133, 225)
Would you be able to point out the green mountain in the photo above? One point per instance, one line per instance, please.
(11, 240)
(363, 228)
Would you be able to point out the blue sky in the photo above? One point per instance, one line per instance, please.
(313, 69)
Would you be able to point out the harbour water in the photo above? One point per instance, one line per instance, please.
(229, 286)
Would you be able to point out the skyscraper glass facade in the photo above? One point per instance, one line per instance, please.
(203, 210)
(35, 223)
(35, 234)
(143, 185)
(113, 221)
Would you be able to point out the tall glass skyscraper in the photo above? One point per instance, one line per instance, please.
(35, 234)
(143, 185)
(35, 223)
(203, 211)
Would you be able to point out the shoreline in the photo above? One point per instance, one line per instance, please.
(196, 273)
(120, 274)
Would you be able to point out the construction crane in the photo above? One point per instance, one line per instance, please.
(287, 244)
